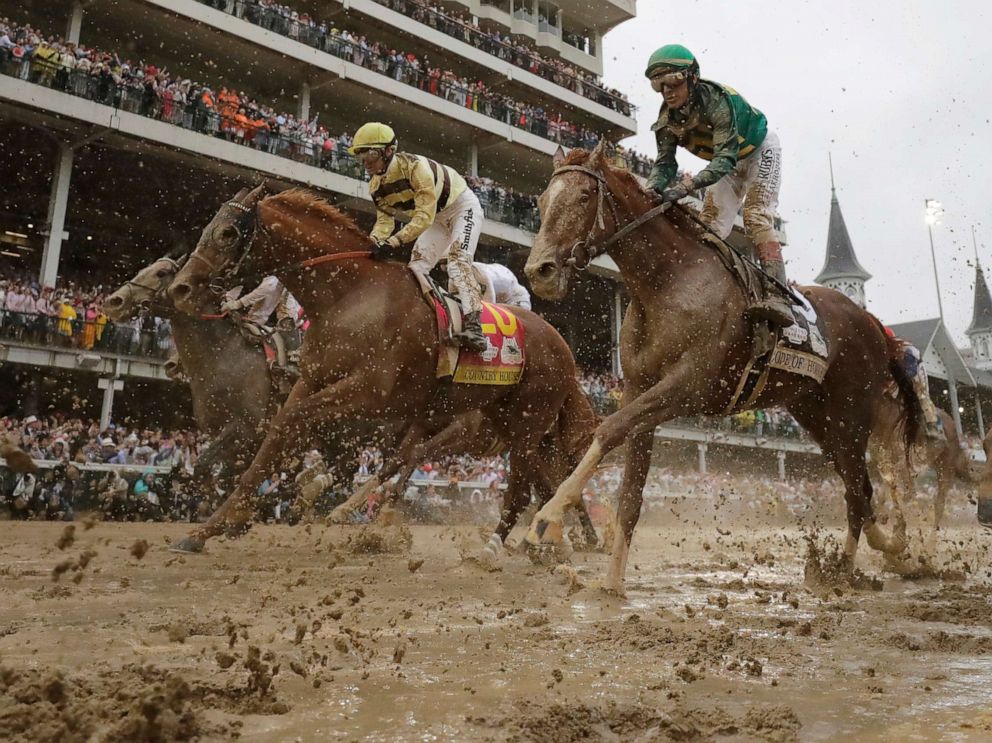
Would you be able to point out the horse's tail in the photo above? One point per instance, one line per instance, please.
(911, 417)
(577, 422)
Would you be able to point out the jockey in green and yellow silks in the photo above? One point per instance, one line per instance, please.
(716, 123)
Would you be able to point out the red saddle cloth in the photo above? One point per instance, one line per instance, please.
(503, 360)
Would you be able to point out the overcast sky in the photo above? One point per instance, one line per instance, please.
(900, 92)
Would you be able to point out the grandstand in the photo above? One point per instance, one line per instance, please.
(112, 169)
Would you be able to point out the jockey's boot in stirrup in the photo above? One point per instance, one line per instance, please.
(471, 336)
(773, 308)
(985, 510)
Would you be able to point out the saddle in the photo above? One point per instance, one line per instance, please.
(799, 349)
(503, 360)
(281, 348)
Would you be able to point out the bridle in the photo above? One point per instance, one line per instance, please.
(584, 251)
(249, 227)
(156, 292)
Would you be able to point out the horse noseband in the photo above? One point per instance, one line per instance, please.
(579, 256)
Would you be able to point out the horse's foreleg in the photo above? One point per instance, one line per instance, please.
(295, 422)
(639, 413)
(635, 474)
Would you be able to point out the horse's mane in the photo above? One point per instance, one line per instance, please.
(679, 217)
(308, 202)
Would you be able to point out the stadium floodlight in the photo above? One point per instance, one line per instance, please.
(933, 210)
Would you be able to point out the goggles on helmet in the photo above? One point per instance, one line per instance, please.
(668, 79)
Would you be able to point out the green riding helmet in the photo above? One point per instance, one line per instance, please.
(672, 57)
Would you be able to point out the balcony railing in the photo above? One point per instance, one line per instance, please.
(204, 117)
(33, 329)
(374, 57)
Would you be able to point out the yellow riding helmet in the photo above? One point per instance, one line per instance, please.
(372, 136)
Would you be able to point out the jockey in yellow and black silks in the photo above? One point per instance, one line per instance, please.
(421, 202)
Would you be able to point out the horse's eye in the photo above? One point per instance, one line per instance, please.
(584, 197)
(162, 273)
(229, 232)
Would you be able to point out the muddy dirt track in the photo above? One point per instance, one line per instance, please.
(315, 634)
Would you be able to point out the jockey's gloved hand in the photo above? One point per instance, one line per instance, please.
(231, 305)
(381, 250)
(675, 193)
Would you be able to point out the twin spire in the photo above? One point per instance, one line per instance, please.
(841, 262)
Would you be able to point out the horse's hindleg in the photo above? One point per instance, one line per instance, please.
(515, 499)
(853, 469)
(635, 474)
(342, 513)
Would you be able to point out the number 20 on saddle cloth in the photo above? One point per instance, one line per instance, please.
(503, 360)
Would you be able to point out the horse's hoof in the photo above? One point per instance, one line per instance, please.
(236, 531)
(490, 554)
(339, 516)
(545, 532)
(187, 546)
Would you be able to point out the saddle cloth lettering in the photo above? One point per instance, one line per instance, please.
(503, 360)
(802, 348)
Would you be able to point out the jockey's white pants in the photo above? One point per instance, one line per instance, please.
(754, 183)
(455, 236)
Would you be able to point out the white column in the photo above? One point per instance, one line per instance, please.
(702, 458)
(57, 204)
(978, 413)
(303, 110)
(616, 321)
(781, 465)
(473, 159)
(75, 22)
(109, 387)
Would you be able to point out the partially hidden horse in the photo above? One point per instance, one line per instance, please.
(685, 343)
(372, 347)
(233, 393)
(898, 468)
(228, 376)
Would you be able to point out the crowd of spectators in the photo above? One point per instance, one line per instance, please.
(222, 112)
(153, 478)
(504, 46)
(410, 69)
(72, 316)
(151, 483)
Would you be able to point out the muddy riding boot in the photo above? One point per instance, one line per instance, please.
(773, 308)
(471, 336)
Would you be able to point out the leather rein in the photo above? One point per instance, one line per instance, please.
(249, 227)
(584, 251)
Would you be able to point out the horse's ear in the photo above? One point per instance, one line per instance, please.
(603, 152)
(255, 195)
(558, 158)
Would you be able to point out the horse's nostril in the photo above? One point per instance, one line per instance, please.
(546, 270)
(115, 302)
